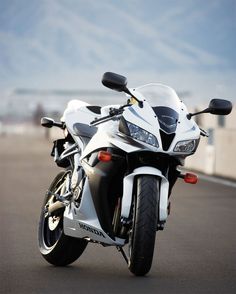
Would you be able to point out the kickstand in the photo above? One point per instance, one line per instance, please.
(120, 249)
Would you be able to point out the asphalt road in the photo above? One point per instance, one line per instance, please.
(196, 253)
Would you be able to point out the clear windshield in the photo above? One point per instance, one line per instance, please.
(165, 103)
(160, 95)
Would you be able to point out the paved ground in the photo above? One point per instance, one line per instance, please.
(196, 253)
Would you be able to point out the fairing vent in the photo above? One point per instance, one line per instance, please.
(166, 140)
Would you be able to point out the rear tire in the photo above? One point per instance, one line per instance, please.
(143, 232)
(57, 248)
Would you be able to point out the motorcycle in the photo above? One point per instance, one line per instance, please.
(120, 163)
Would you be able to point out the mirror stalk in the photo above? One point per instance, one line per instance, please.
(118, 83)
(217, 107)
(127, 91)
(196, 113)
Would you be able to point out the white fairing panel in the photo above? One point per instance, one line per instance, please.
(77, 111)
(83, 222)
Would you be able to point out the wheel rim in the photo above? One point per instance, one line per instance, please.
(52, 231)
(52, 225)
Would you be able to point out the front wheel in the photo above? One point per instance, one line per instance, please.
(57, 248)
(144, 225)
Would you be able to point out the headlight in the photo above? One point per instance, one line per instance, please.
(142, 135)
(187, 146)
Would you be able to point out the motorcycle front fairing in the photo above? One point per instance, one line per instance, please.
(165, 117)
(167, 121)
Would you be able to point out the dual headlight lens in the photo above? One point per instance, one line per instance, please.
(186, 146)
(142, 135)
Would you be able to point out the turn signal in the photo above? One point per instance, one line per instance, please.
(190, 178)
(104, 156)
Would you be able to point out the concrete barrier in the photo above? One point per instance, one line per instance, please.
(218, 158)
(225, 153)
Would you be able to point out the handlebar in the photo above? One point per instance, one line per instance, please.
(112, 112)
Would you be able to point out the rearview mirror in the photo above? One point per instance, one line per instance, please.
(216, 106)
(47, 122)
(114, 81)
(220, 107)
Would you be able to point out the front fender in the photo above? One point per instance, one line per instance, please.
(128, 184)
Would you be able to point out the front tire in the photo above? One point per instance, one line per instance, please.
(144, 226)
(57, 248)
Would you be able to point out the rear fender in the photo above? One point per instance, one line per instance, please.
(128, 184)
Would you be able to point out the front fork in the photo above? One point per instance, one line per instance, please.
(128, 184)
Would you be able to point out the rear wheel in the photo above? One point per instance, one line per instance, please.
(57, 248)
(143, 232)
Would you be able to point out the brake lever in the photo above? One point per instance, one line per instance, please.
(203, 133)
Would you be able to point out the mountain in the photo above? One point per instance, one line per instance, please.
(68, 44)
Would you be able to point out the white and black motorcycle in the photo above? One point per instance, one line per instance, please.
(120, 164)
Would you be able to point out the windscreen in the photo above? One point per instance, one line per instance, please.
(165, 103)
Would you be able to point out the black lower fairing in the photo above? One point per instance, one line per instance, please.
(106, 186)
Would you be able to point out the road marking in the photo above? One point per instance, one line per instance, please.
(217, 180)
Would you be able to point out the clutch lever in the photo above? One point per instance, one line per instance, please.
(113, 112)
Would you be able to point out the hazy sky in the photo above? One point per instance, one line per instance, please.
(189, 44)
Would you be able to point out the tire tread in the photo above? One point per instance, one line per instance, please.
(145, 225)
